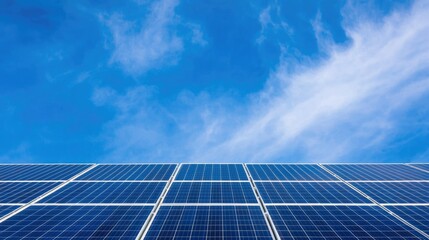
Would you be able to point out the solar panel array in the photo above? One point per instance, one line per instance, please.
(214, 201)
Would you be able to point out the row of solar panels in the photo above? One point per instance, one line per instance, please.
(304, 201)
(232, 172)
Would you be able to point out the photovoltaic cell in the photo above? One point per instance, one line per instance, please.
(209, 222)
(77, 222)
(416, 215)
(288, 172)
(23, 192)
(40, 172)
(308, 192)
(211, 172)
(4, 210)
(396, 192)
(377, 172)
(130, 172)
(210, 192)
(338, 222)
(424, 167)
(107, 192)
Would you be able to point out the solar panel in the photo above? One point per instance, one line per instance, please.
(107, 192)
(211, 172)
(4, 210)
(291, 172)
(308, 192)
(77, 222)
(396, 192)
(209, 222)
(23, 192)
(338, 222)
(416, 215)
(210, 192)
(377, 172)
(40, 172)
(130, 172)
(424, 167)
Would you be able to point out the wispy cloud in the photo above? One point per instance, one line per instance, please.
(151, 43)
(350, 102)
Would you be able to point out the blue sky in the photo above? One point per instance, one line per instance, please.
(214, 81)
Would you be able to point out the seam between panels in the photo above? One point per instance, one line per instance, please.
(267, 216)
(37, 199)
(374, 201)
(152, 215)
(415, 167)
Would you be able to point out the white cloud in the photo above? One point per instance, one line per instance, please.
(151, 44)
(349, 103)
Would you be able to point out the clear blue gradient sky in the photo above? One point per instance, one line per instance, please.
(205, 81)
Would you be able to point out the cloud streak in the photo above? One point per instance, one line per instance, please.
(150, 45)
(346, 104)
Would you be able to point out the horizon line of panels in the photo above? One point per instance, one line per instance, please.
(211, 173)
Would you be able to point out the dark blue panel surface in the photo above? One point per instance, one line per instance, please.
(210, 192)
(288, 172)
(418, 216)
(107, 192)
(130, 172)
(377, 172)
(396, 192)
(211, 172)
(4, 210)
(40, 172)
(338, 222)
(308, 192)
(75, 222)
(424, 167)
(209, 222)
(23, 192)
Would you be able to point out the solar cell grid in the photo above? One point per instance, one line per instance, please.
(424, 167)
(209, 222)
(416, 215)
(4, 210)
(211, 172)
(386, 172)
(288, 172)
(396, 192)
(130, 172)
(107, 192)
(23, 192)
(338, 222)
(210, 192)
(77, 222)
(308, 192)
(40, 172)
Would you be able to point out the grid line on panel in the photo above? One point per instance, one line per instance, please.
(75, 222)
(288, 172)
(210, 192)
(419, 167)
(377, 203)
(267, 216)
(130, 172)
(60, 172)
(396, 192)
(46, 194)
(107, 192)
(210, 172)
(209, 222)
(18, 192)
(377, 172)
(339, 222)
(417, 215)
(149, 221)
(308, 192)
